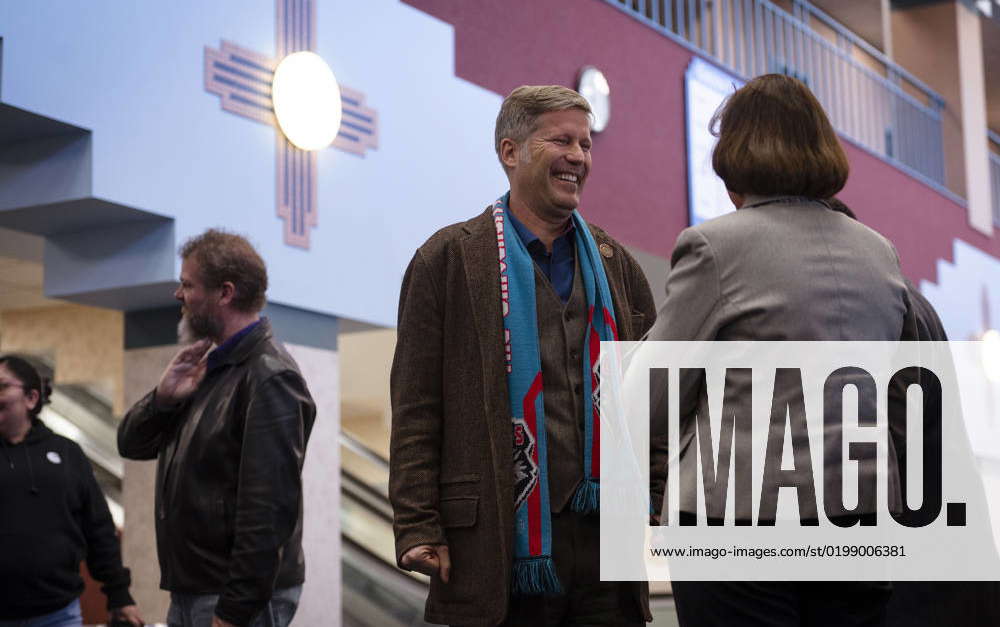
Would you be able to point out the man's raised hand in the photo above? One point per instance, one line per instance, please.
(183, 375)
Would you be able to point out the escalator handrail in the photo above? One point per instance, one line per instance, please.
(363, 450)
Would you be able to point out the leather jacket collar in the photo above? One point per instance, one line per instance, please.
(245, 347)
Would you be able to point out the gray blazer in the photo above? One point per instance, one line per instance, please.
(781, 269)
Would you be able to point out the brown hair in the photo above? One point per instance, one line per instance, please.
(775, 139)
(224, 256)
(518, 117)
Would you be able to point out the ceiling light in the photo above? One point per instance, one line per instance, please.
(306, 100)
(593, 86)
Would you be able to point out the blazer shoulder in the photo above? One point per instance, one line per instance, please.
(602, 237)
(866, 231)
(727, 223)
(445, 238)
(598, 232)
(864, 237)
(629, 264)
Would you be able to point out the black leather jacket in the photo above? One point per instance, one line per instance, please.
(228, 479)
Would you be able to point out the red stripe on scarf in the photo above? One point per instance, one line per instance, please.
(535, 498)
(610, 321)
(595, 354)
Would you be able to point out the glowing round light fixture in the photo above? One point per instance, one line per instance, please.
(306, 100)
(991, 354)
(595, 89)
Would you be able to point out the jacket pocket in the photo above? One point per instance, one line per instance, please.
(469, 477)
(459, 511)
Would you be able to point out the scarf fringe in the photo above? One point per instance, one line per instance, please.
(587, 499)
(536, 575)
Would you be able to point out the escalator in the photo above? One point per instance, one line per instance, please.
(83, 413)
(375, 592)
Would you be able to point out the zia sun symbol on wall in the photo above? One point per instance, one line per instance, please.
(244, 80)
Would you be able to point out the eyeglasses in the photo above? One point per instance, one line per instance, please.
(4, 385)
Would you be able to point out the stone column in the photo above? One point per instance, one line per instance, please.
(311, 339)
(953, 67)
(320, 603)
(143, 367)
(150, 344)
(972, 78)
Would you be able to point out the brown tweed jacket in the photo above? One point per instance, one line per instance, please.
(451, 451)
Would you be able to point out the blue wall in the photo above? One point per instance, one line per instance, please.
(131, 73)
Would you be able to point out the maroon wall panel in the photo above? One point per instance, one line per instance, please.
(638, 185)
(920, 221)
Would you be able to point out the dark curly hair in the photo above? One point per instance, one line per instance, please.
(224, 256)
(28, 376)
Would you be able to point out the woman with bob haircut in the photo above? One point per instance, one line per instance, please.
(784, 266)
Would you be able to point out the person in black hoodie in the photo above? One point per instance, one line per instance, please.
(52, 516)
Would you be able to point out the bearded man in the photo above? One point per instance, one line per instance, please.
(229, 429)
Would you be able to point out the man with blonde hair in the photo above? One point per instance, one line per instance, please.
(495, 451)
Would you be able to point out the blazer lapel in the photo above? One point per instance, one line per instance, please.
(482, 275)
(613, 270)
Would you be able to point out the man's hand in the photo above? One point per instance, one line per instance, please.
(429, 559)
(183, 375)
(218, 622)
(127, 614)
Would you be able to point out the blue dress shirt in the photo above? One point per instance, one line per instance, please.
(216, 357)
(557, 266)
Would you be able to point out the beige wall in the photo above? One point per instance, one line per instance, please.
(925, 42)
(366, 357)
(86, 344)
(971, 78)
(868, 61)
(142, 372)
(991, 61)
(784, 4)
(824, 31)
(868, 19)
(942, 45)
